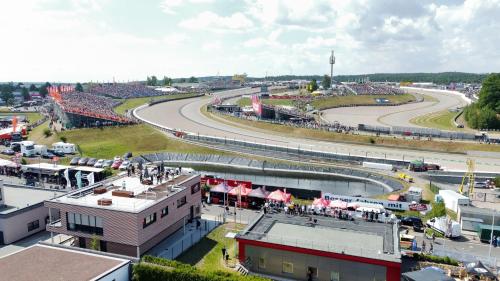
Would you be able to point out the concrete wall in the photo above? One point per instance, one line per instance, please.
(347, 270)
(15, 227)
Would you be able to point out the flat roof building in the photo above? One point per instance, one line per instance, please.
(48, 263)
(291, 247)
(22, 212)
(125, 215)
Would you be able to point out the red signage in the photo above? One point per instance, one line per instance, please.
(418, 207)
(256, 105)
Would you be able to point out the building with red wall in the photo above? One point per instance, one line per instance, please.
(292, 247)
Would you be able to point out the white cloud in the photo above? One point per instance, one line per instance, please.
(170, 6)
(236, 22)
(212, 46)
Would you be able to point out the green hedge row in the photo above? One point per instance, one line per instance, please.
(435, 259)
(155, 268)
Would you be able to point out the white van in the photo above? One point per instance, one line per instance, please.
(26, 148)
(67, 148)
(40, 149)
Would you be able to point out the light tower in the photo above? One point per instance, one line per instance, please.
(332, 62)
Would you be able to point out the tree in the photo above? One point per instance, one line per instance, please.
(166, 81)
(95, 243)
(312, 86)
(47, 132)
(484, 113)
(6, 94)
(154, 81)
(79, 87)
(33, 88)
(182, 80)
(63, 139)
(490, 92)
(192, 79)
(327, 81)
(26, 94)
(43, 91)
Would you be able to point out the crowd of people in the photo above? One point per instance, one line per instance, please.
(374, 89)
(124, 90)
(91, 105)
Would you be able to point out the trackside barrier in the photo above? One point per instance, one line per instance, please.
(272, 148)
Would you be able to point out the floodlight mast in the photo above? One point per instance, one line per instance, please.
(332, 62)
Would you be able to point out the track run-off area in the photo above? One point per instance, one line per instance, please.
(185, 115)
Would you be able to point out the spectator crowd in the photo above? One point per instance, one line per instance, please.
(124, 90)
(374, 89)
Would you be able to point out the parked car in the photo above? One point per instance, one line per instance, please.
(83, 161)
(127, 155)
(414, 222)
(8, 151)
(117, 158)
(74, 161)
(57, 152)
(47, 155)
(107, 163)
(125, 164)
(98, 163)
(116, 164)
(91, 162)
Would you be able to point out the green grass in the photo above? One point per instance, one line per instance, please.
(111, 141)
(442, 120)
(248, 102)
(207, 254)
(133, 103)
(336, 101)
(32, 116)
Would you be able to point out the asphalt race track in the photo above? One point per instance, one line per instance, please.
(186, 115)
(394, 115)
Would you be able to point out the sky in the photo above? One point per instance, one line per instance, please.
(125, 40)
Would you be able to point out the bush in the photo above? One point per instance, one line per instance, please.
(435, 259)
(438, 210)
(47, 132)
(372, 140)
(23, 161)
(63, 138)
(497, 181)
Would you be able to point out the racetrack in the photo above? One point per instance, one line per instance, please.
(394, 115)
(186, 115)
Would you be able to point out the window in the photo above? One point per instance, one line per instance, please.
(149, 220)
(164, 211)
(334, 276)
(262, 262)
(181, 202)
(84, 223)
(287, 267)
(33, 225)
(195, 188)
(313, 271)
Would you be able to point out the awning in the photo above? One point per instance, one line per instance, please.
(243, 191)
(259, 193)
(279, 196)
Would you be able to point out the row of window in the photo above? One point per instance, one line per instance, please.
(33, 225)
(287, 267)
(150, 219)
(84, 223)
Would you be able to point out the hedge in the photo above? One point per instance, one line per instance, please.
(155, 268)
(435, 259)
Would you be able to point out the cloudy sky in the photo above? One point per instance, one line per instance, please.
(83, 40)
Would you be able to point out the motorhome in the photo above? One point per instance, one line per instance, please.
(40, 149)
(68, 148)
(26, 148)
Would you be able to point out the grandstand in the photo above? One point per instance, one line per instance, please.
(368, 88)
(123, 90)
(75, 109)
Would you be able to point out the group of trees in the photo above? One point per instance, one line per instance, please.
(485, 113)
(7, 91)
(153, 81)
(312, 86)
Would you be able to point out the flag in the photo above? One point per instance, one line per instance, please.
(79, 179)
(66, 176)
(90, 178)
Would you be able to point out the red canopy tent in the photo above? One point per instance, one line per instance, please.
(242, 190)
(259, 193)
(221, 187)
(320, 202)
(279, 196)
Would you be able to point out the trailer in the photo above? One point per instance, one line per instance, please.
(484, 232)
(67, 148)
(453, 199)
(380, 166)
(449, 228)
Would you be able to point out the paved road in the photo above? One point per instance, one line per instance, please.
(394, 115)
(186, 115)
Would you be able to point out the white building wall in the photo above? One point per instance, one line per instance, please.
(16, 227)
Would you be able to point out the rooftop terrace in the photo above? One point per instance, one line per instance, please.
(138, 195)
(355, 238)
(16, 198)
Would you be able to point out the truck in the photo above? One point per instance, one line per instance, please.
(449, 228)
(26, 148)
(420, 166)
(405, 177)
(67, 148)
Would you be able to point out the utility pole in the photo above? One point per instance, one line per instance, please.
(332, 62)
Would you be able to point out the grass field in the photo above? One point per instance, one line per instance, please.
(133, 103)
(207, 254)
(335, 101)
(442, 120)
(248, 102)
(442, 146)
(32, 116)
(110, 141)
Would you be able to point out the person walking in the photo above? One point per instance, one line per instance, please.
(223, 251)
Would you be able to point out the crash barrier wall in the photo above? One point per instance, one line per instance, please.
(245, 163)
(414, 131)
(180, 98)
(337, 156)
